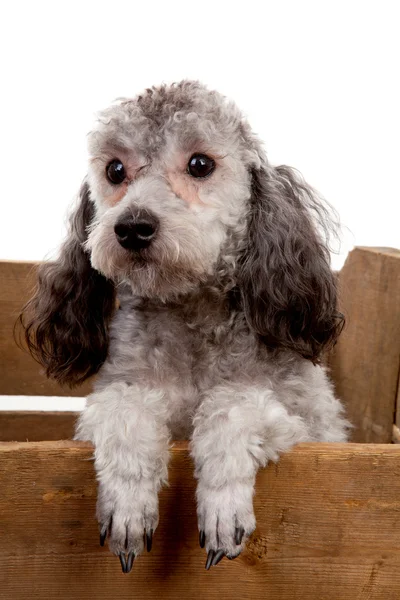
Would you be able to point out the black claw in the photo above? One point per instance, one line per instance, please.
(210, 557)
(239, 533)
(103, 535)
(122, 560)
(129, 563)
(149, 540)
(218, 556)
(202, 538)
(229, 557)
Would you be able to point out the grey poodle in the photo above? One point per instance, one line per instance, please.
(195, 281)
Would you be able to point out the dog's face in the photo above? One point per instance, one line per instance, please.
(170, 178)
(179, 194)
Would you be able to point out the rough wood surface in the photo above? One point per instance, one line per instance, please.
(328, 528)
(36, 426)
(365, 362)
(19, 373)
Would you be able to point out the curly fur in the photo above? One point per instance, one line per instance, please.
(66, 321)
(222, 319)
(287, 286)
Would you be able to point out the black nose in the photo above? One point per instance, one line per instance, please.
(135, 231)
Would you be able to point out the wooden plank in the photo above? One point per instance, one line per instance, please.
(19, 373)
(365, 362)
(397, 421)
(396, 425)
(36, 426)
(328, 528)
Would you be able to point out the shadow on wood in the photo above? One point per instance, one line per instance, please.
(36, 426)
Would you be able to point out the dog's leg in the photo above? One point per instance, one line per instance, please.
(127, 425)
(236, 430)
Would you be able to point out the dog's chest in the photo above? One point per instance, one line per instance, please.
(171, 347)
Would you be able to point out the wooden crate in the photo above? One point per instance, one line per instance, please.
(328, 515)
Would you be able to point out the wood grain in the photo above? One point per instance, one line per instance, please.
(36, 426)
(19, 373)
(365, 362)
(328, 529)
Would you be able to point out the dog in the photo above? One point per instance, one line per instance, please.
(195, 281)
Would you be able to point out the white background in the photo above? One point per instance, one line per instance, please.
(319, 82)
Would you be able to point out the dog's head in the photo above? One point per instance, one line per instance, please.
(179, 193)
(169, 175)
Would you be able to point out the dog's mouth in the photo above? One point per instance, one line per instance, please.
(153, 263)
(152, 274)
(139, 258)
(160, 282)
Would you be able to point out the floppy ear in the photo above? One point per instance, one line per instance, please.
(66, 321)
(288, 290)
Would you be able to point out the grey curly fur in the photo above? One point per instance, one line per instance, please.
(222, 319)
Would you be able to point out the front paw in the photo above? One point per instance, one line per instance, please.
(226, 519)
(127, 512)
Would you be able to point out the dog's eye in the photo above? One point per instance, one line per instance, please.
(200, 165)
(115, 171)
